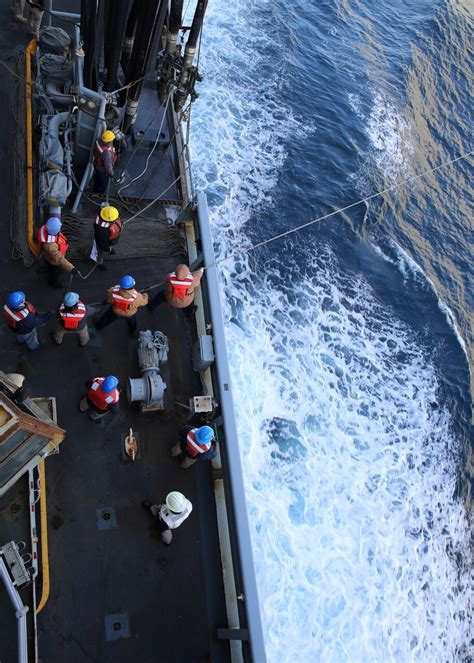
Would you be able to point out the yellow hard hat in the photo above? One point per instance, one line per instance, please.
(108, 136)
(109, 214)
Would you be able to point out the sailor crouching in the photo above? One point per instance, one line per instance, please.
(53, 246)
(71, 319)
(170, 515)
(194, 444)
(102, 397)
(23, 319)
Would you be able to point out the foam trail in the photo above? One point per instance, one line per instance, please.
(409, 267)
(349, 460)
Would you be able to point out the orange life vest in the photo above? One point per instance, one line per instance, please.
(99, 398)
(98, 149)
(121, 302)
(180, 288)
(13, 316)
(114, 228)
(59, 239)
(72, 318)
(193, 447)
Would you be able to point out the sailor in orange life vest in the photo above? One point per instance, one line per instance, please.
(179, 289)
(107, 229)
(53, 246)
(125, 301)
(71, 319)
(23, 319)
(105, 157)
(102, 397)
(194, 444)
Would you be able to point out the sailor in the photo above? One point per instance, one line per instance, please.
(23, 319)
(53, 246)
(107, 229)
(125, 301)
(71, 319)
(194, 444)
(105, 157)
(102, 397)
(171, 514)
(179, 289)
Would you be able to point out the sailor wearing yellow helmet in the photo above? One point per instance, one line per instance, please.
(105, 157)
(107, 229)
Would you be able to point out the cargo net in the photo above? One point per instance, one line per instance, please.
(18, 211)
(153, 235)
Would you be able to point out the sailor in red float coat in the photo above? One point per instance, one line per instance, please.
(100, 402)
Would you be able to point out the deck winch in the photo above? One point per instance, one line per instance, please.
(150, 389)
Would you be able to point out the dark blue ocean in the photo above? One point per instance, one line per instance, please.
(350, 342)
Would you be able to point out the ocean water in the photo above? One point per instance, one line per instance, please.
(350, 341)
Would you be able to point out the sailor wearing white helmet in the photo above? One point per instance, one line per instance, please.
(170, 515)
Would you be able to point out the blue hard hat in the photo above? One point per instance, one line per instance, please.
(109, 384)
(127, 282)
(16, 299)
(70, 299)
(53, 225)
(204, 434)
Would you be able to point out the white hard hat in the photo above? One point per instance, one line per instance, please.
(175, 502)
(17, 379)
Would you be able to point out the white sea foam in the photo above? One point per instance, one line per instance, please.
(411, 269)
(349, 460)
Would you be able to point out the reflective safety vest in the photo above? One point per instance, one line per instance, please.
(99, 398)
(59, 239)
(13, 316)
(193, 447)
(114, 228)
(72, 317)
(98, 149)
(180, 288)
(121, 302)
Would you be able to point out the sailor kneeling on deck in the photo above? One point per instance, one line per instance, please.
(171, 514)
(53, 246)
(125, 301)
(102, 397)
(71, 319)
(23, 318)
(194, 444)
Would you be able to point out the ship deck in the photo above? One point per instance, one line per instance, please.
(118, 594)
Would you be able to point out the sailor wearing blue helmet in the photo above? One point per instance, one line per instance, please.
(194, 444)
(125, 302)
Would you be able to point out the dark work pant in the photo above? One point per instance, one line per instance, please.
(160, 298)
(55, 276)
(109, 317)
(100, 181)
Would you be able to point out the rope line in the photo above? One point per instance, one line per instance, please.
(342, 209)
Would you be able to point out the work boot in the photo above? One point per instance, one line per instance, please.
(55, 339)
(111, 252)
(20, 18)
(166, 536)
(83, 404)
